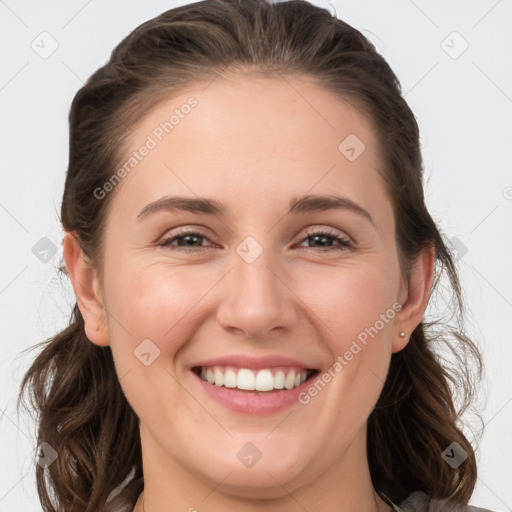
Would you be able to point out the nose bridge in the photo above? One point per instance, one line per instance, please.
(256, 276)
(256, 299)
(255, 282)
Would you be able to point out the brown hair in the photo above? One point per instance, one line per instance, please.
(82, 411)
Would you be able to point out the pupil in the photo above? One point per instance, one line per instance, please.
(322, 237)
(187, 238)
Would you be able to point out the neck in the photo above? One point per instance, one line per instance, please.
(345, 486)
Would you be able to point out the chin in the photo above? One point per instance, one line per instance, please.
(259, 482)
(257, 469)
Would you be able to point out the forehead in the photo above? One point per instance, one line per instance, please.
(237, 136)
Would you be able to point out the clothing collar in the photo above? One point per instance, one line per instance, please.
(384, 498)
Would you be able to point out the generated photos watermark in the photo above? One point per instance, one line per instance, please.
(344, 359)
(152, 140)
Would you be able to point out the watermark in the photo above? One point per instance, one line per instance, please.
(343, 360)
(249, 249)
(454, 455)
(146, 352)
(152, 140)
(351, 147)
(454, 45)
(458, 248)
(44, 249)
(46, 455)
(45, 45)
(249, 454)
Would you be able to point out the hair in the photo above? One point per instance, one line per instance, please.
(72, 383)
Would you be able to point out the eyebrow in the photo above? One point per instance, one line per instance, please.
(304, 204)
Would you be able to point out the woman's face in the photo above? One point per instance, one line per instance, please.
(274, 282)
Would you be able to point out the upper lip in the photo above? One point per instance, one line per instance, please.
(255, 363)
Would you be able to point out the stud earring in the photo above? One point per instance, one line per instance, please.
(402, 334)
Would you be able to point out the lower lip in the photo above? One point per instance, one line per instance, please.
(251, 403)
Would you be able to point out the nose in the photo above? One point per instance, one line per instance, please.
(257, 299)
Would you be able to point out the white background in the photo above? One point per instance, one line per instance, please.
(463, 106)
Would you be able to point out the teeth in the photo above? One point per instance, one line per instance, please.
(264, 381)
(245, 379)
(279, 380)
(230, 379)
(289, 381)
(254, 380)
(219, 377)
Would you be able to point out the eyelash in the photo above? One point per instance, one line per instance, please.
(344, 243)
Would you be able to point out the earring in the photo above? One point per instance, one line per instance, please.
(402, 334)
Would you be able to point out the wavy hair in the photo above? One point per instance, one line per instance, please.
(72, 383)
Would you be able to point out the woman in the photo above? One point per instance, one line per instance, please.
(252, 257)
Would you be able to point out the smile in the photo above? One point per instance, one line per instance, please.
(245, 379)
(256, 391)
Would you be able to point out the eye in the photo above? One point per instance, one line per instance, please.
(192, 240)
(323, 235)
(185, 239)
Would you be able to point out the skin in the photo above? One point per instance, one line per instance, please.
(253, 143)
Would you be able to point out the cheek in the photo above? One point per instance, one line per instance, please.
(155, 302)
(153, 313)
(355, 310)
(349, 300)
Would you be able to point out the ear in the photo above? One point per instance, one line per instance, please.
(414, 297)
(87, 290)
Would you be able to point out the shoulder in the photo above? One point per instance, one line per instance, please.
(421, 502)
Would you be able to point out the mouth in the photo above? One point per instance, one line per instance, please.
(257, 382)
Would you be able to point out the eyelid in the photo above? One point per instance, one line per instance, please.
(317, 229)
(344, 240)
(309, 231)
(185, 230)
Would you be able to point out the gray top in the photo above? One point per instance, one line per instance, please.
(416, 502)
(421, 502)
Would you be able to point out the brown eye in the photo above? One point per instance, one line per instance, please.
(323, 237)
(185, 239)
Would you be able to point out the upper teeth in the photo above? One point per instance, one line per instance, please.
(260, 380)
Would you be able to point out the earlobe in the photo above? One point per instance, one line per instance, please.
(415, 302)
(85, 284)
